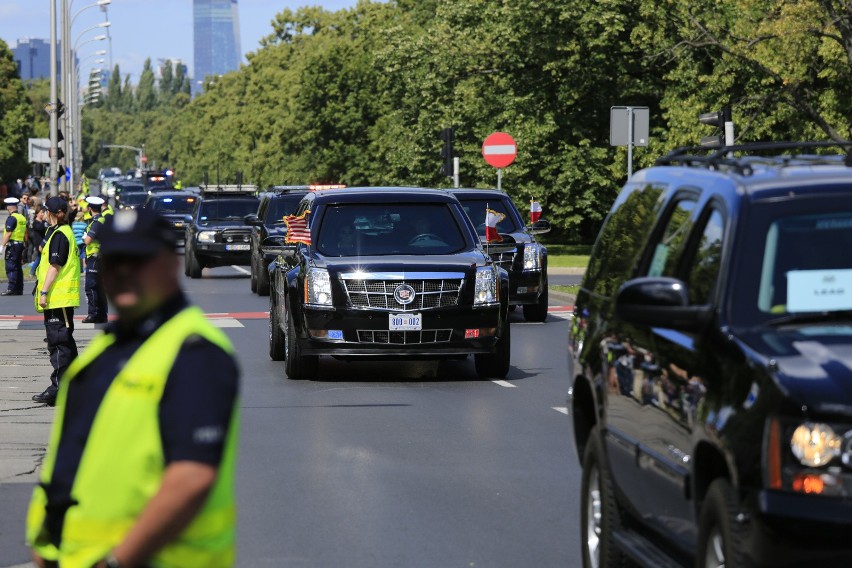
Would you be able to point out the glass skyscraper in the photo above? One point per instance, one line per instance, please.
(217, 39)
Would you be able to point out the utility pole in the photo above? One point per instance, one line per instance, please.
(54, 147)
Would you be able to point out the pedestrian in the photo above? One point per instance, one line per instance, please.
(94, 288)
(139, 470)
(78, 227)
(37, 232)
(14, 235)
(58, 293)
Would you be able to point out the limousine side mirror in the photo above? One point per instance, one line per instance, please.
(539, 227)
(660, 302)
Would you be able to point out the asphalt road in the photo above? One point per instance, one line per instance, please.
(390, 464)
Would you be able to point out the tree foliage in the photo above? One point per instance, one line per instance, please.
(16, 118)
(359, 95)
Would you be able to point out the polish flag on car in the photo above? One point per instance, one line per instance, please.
(297, 229)
(491, 219)
(535, 211)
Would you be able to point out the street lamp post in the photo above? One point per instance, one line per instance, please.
(74, 126)
(74, 107)
(68, 55)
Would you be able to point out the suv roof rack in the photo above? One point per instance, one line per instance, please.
(716, 157)
(228, 190)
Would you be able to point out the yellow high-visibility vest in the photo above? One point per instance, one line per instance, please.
(110, 493)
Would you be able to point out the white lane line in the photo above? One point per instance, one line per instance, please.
(561, 409)
(225, 322)
(241, 269)
(504, 384)
(9, 324)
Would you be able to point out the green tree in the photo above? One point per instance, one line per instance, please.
(146, 97)
(16, 118)
(167, 83)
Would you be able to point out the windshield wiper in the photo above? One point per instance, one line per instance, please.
(811, 317)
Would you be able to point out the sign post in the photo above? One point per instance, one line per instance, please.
(628, 126)
(499, 151)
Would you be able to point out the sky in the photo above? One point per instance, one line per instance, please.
(159, 29)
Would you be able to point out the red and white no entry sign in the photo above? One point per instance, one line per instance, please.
(499, 149)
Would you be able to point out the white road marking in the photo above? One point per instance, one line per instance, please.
(561, 409)
(241, 269)
(504, 384)
(9, 324)
(225, 322)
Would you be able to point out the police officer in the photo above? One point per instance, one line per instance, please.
(94, 289)
(57, 293)
(14, 235)
(140, 465)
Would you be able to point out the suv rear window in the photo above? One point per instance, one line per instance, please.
(379, 229)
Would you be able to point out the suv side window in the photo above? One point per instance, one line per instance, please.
(707, 262)
(668, 250)
(621, 239)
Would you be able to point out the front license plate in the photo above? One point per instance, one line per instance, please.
(405, 322)
(237, 247)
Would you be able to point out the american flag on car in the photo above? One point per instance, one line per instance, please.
(297, 228)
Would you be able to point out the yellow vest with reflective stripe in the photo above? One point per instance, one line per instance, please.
(20, 229)
(65, 290)
(95, 245)
(122, 464)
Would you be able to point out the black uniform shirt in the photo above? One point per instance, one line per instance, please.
(95, 227)
(195, 410)
(11, 223)
(60, 248)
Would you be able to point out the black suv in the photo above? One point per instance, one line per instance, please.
(518, 251)
(174, 206)
(390, 272)
(711, 364)
(216, 234)
(268, 231)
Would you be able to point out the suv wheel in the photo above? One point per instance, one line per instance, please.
(277, 339)
(718, 539)
(262, 279)
(538, 311)
(599, 513)
(496, 365)
(193, 267)
(296, 365)
(253, 279)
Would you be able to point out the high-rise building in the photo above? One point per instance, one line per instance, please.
(33, 58)
(217, 39)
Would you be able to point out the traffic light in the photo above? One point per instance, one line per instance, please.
(719, 119)
(447, 151)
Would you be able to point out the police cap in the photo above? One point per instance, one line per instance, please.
(11, 201)
(136, 232)
(56, 204)
(95, 202)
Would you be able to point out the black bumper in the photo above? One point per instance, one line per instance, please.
(525, 287)
(366, 333)
(796, 530)
(216, 254)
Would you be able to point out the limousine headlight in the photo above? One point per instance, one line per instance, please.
(318, 287)
(485, 289)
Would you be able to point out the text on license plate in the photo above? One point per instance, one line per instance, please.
(237, 247)
(405, 322)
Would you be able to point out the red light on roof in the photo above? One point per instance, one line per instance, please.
(316, 187)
